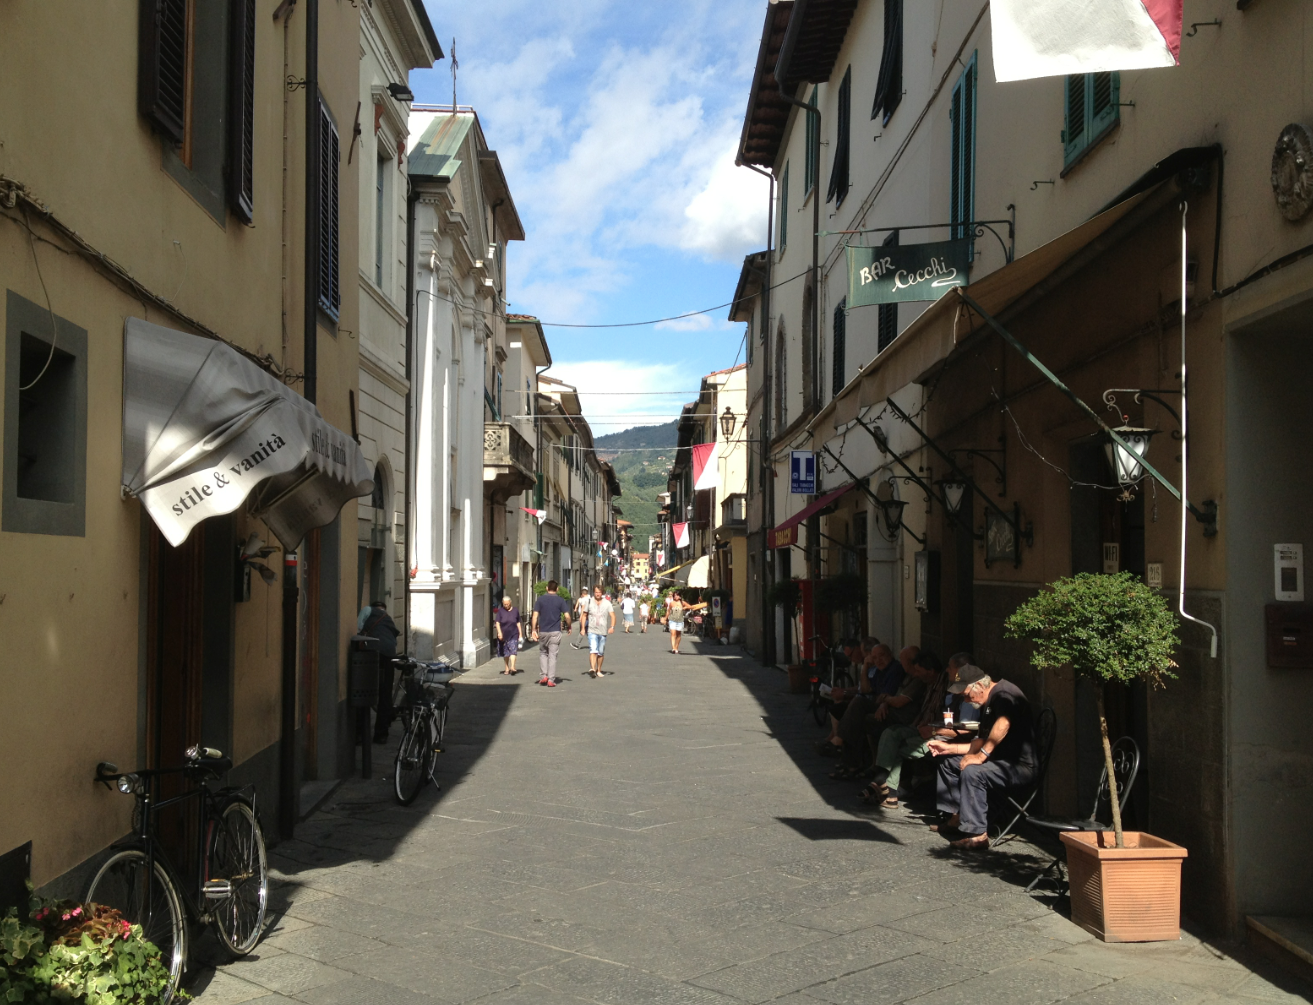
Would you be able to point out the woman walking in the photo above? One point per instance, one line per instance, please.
(676, 610)
(506, 621)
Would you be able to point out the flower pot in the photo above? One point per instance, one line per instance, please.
(800, 681)
(1130, 894)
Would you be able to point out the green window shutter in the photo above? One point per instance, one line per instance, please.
(162, 44)
(838, 187)
(1073, 135)
(1093, 107)
(962, 175)
(241, 110)
(330, 289)
(840, 332)
(809, 174)
(1104, 102)
(784, 207)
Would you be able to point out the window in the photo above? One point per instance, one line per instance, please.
(196, 86)
(330, 290)
(889, 86)
(781, 379)
(784, 207)
(840, 336)
(843, 122)
(813, 134)
(962, 118)
(1093, 109)
(45, 422)
(380, 217)
(886, 323)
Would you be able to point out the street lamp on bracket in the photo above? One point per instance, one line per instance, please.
(727, 422)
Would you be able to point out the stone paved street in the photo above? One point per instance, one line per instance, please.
(666, 835)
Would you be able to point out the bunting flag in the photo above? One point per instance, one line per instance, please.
(538, 514)
(1048, 38)
(681, 534)
(706, 469)
(661, 558)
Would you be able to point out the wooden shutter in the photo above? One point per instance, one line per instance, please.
(784, 208)
(1105, 94)
(241, 109)
(1073, 137)
(962, 112)
(889, 86)
(330, 291)
(162, 59)
(887, 314)
(840, 339)
(838, 187)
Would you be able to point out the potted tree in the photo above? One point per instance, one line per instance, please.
(1125, 885)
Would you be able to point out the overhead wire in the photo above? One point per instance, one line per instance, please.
(54, 327)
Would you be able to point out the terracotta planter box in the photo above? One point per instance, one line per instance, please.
(1130, 894)
(800, 681)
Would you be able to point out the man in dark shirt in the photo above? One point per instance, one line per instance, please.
(1001, 756)
(380, 627)
(853, 728)
(551, 616)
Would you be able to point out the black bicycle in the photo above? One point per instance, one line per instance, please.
(826, 670)
(425, 694)
(231, 888)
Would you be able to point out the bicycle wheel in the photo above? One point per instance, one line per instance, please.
(842, 678)
(411, 765)
(123, 883)
(237, 855)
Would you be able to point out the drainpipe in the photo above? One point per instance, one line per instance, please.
(412, 197)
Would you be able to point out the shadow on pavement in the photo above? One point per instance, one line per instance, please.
(826, 829)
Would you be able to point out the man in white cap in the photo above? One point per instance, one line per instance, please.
(1001, 756)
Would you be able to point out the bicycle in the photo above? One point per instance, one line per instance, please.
(231, 891)
(820, 703)
(426, 695)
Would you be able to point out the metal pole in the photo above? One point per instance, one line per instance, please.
(311, 306)
(287, 801)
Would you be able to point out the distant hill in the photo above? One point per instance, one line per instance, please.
(664, 435)
(642, 473)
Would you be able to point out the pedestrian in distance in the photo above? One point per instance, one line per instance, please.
(676, 611)
(506, 622)
(579, 605)
(378, 625)
(643, 611)
(599, 619)
(551, 616)
(627, 609)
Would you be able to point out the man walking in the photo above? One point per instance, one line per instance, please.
(378, 625)
(599, 620)
(643, 611)
(627, 609)
(551, 616)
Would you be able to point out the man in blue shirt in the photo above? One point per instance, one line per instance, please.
(551, 616)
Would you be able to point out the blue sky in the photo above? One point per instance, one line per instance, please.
(616, 123)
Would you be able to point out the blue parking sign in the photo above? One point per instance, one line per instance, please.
(802, 473)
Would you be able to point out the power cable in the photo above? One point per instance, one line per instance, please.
(54, 327)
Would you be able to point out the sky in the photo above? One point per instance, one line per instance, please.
(616, 123)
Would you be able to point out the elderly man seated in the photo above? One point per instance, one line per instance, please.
(1001, 756)
(869, 712)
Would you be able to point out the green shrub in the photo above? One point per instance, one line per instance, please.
(785, 593)
(840, 592)
(1105, 627)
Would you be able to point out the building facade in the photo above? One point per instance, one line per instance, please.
(1117, 226)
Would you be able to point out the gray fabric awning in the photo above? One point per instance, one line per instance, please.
(205, 429)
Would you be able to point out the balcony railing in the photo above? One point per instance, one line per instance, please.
(508, 464)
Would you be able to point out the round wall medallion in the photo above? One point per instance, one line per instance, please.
(1292, 171)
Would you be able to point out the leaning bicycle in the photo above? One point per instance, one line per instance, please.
(826, 665)
(231, 889)
(424, 699)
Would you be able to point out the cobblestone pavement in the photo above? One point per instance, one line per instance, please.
(666, 835)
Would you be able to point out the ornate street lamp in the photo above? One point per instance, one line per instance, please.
(727, 422)
(1128, 465)
(954, 490)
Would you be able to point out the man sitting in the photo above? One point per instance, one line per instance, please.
(861, 658)
(1001, 756)
(908, 741)
(885, 687)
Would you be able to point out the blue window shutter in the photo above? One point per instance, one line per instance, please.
(1105, 97)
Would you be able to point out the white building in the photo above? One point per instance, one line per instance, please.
(462, 218)
(395, 38)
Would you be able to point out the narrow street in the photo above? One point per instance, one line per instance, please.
(667, 835)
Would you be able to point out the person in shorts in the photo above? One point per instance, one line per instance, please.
(599, 620)
(644, 610)
(551, 616)
(627, 609)
(506, 622)
(676, 611)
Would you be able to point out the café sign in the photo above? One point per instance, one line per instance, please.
(895, 273)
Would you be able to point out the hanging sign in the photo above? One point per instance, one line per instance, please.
(802, 473)
(901, 272)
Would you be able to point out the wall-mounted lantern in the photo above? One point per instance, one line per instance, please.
(1128, 465)
(954, 491)
(727, 423)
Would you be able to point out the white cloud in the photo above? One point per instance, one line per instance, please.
(727, 219)
(618, 393)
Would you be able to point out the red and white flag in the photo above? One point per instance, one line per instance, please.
(1047, 38)
(539, 514)
(706, 466)
(681, 534)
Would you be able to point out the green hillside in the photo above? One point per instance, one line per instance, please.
(642, 473)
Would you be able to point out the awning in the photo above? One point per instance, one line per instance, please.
(674, 572)
(204, 428)
(787, 532)
(936, 332)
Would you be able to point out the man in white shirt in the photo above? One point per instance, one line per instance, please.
(599, 618)
(627, 609)
(643, 611)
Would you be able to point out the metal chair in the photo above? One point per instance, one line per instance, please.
(1125, 766)
(1046, 732)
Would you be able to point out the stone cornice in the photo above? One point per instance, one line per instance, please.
(382, 370)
